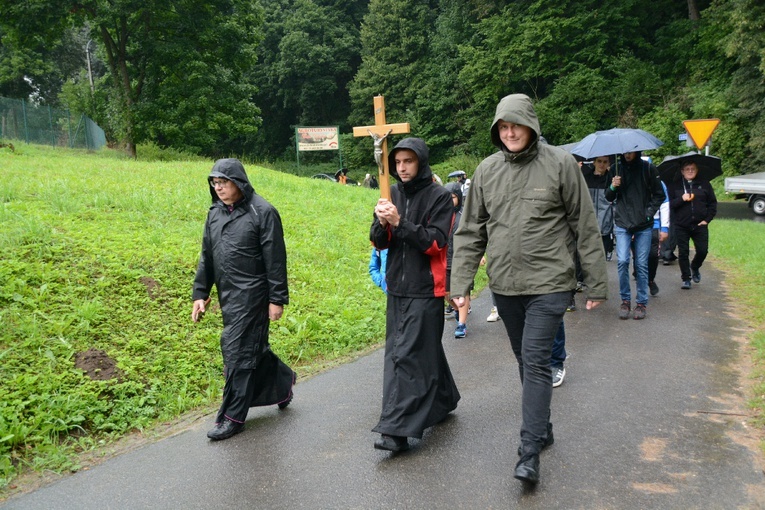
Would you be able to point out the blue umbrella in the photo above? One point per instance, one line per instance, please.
(615, 141)
(568, 146)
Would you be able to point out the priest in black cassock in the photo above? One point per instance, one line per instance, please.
(244, 256)
(414, 225)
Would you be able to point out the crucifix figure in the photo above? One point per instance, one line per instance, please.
(379, 133)
(378, 147)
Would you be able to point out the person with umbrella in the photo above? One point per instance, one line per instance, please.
(636, 190)
(596, 178)
(694, 205)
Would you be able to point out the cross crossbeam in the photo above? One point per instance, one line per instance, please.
(379, 133)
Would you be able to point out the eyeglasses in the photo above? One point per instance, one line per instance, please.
(219, 184)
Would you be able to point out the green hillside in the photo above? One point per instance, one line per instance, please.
(99, 254)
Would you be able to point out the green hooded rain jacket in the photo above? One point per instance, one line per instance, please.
(529, 212)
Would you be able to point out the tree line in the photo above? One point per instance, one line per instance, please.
(234, 77)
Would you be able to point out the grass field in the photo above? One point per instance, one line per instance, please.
(737, 247)
(99, 253)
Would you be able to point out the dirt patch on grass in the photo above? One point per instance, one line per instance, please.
(97, 365)
(152, 286)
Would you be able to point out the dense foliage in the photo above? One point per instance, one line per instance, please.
(176, 72)
(231, 77)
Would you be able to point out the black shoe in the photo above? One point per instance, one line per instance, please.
(225, 429)
(686, 285)
(283, 405)
(392, 443)
(696, 276)
(527, 469)
(654, 288)
(549, 440)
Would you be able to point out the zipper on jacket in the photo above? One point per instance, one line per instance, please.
(689, 191)
(403, 252)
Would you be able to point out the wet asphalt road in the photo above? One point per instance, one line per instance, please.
(649, 416)
(737, 210)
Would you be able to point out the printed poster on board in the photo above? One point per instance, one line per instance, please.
(316, 138)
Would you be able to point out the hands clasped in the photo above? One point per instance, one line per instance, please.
(387, 213)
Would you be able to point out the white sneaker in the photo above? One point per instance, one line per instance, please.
(493, 316)
(558, 375)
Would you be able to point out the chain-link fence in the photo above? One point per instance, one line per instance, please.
(22, 120)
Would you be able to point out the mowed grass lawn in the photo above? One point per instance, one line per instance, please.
(99, 254)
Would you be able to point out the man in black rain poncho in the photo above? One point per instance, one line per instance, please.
(243, 254)
(418, 388)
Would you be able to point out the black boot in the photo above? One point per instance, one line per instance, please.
(527, 469)
(225, 429)
(392, 443)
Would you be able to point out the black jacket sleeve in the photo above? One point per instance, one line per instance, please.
(656, 191)
(379, 235)
(611, 194)
(711, 202)
(274, 256)
(205, 277)
(433, 235)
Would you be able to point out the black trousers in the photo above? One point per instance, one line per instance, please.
(700, 236)
(268, 384)
(531, 323)
(653, 255)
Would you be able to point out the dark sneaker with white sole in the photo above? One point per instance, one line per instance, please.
(558, 375)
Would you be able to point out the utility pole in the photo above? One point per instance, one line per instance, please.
(90, 71)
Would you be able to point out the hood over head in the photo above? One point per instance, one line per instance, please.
(233, 170)
(637, 161)
(518, 109)
(424, 173)
(455, 188)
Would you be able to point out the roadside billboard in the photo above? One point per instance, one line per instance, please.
(317, 138)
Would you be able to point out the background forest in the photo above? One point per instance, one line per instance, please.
(234, 77)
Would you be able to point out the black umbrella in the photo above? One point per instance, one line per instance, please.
(709, 166)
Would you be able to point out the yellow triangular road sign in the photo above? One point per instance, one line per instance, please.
(700, 131)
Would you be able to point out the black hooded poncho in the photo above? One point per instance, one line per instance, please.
(244, 255)
(418, 387)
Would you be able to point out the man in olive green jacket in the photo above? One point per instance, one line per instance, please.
(529, 210)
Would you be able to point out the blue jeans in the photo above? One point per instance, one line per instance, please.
(531, 323)
(559, 348)
(624, 241)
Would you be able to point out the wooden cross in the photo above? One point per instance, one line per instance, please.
(379, 133)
